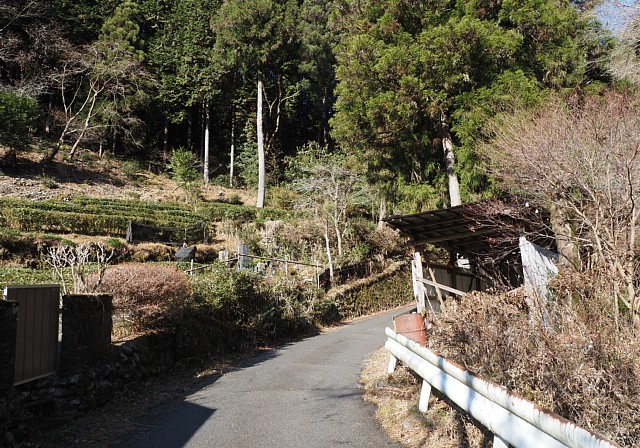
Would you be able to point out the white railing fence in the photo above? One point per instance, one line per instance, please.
(513, 420)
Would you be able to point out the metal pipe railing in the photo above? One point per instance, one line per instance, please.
(514, 420)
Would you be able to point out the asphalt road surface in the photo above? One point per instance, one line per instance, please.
(303, 395)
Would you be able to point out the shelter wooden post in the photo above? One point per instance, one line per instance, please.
(417, 277)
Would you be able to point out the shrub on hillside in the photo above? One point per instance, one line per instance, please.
(283, 198)
(575, 362)
(150, 295)
(146, 252)
(252, 312)
(378, 292)
(18, 114)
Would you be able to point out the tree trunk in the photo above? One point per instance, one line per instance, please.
(165, 141)
(114, 140)
(207, 124)
(261, 158)
(233, 150)
(567, 248)
(328, 249)
(382, 213)
(189, 112)
(338, 236)
(449, 160)
(84, 127)
(49, 157)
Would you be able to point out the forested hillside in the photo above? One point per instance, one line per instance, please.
(402, 89)
(329, 115)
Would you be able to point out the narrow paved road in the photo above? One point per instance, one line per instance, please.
(303, 395)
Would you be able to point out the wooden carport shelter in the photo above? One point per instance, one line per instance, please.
(486, 233)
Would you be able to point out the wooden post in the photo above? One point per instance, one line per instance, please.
(438, 292)
(417, 277)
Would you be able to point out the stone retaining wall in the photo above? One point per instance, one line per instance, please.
(86, 329)
(8, 329)
(70, 394)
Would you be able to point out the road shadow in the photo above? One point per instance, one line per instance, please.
(156, 429)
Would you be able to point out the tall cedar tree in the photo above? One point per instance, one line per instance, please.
(410, 72)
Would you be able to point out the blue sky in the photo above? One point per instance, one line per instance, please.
(615, 14)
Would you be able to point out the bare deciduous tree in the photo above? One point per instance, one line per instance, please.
(330, 190)
(583, 158)
(101, 82)
(80, 261)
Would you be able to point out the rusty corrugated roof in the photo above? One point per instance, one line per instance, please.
(489, 228)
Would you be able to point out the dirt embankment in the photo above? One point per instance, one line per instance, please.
(97, 178)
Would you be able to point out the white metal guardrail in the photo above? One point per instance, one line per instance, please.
(513, 420)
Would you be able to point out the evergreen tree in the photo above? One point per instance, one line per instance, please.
(189, 68)
(258, 39)
(416, 78)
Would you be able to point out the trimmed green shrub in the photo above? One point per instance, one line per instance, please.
(17, 115)
(378, 293)
(92, 216)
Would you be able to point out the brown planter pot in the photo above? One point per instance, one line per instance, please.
(412, 327)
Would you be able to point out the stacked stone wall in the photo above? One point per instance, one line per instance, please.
(8, 330)
(86, 329)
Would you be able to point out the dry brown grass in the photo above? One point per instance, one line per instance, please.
(91, 176)
(396, 397)
(147, 294)
(579, 364)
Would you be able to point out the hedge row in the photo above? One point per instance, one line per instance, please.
(34, 220)
(135, 210)
(111, 216)
(377, 293)
(241, 213)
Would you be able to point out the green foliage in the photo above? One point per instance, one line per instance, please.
(221, 211)
(184, 166)
(234, 199)
(115, 243)
(182, 53)
(123, 28)
(282, 197)
(130, 168)
(252, 312)
(17, 117)
(23, 276)
(402, 67)
(416, 197)
(82, 19)
(185, 172)
(247, 159)
(388, 291)
(92, 216)
(360, 252)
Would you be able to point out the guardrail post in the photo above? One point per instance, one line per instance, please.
(425, 393)
(499, 442)
(392, 364)
(512, 419)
